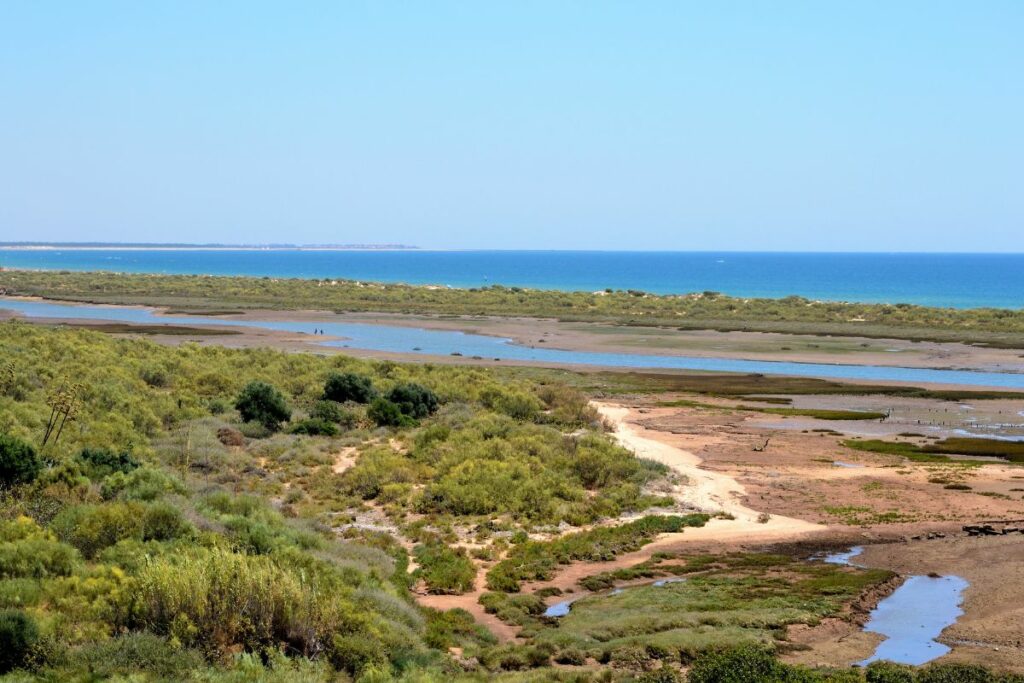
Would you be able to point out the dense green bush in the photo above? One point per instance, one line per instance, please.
(136, 654)
(145, 484)
(164, 522)
(262, 403)
(36, 558)
(18, 635)
(414, 400)
(888, 672)
(349, 386)
(29, 551)
(384, 413)
(515, 403)
(453, 627)
(101, 462)
(745, 664)
(444, 569)
(19, 462)
(332, 411)
(197, 597)
(91, 528)
(961, 673)
(314, 427)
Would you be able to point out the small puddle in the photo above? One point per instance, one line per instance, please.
(912, 617)
(840, 463)
(561, 609)
(845, 557)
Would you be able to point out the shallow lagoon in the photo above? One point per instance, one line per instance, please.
(443, 342)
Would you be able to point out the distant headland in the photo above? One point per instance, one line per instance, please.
(209, 246)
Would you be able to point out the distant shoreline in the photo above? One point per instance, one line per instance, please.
(205, 247)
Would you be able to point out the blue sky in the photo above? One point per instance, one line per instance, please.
(629, 125)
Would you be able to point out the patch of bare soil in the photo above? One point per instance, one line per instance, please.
(797, 475)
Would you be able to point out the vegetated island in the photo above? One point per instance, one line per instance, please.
(178, 246)
(989, 327)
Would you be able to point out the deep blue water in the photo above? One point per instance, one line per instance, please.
(400, 339)
(957, 280)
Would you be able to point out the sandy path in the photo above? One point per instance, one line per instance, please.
(344, 459)
(470, 602)
(703, 489)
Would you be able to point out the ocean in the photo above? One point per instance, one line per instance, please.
(953, 280)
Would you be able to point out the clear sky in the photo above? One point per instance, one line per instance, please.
(819, 125)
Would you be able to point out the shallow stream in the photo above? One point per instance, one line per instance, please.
(400, 339)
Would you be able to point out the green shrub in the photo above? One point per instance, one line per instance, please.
(19, 462)
(744, 664)
(452, 627)
(314, 427)
(216, 600)
(888, 672)
(355, 653)
(18, 635)
(517, 404)
(136, 653)
(384, 413)
(164, 522)
(101, 462)
(262, 403)
(349, 386)
(36, 558)
(91, 528)
(955, 673)
(332, 411)
(444, 569)
(29, 551)
(20, 593)
(145, 483)
(414, 400)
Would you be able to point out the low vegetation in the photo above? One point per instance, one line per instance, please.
(538, 560)
(816, 413)
(1012, 451)
(706, 310)
(197, 513)
(185, 482)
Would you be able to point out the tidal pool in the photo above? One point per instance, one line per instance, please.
(912, 617)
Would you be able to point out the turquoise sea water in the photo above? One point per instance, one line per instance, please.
(957, 280)
(401, 339)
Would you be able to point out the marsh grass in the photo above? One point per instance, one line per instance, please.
(1011, 451)
(725, 600)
